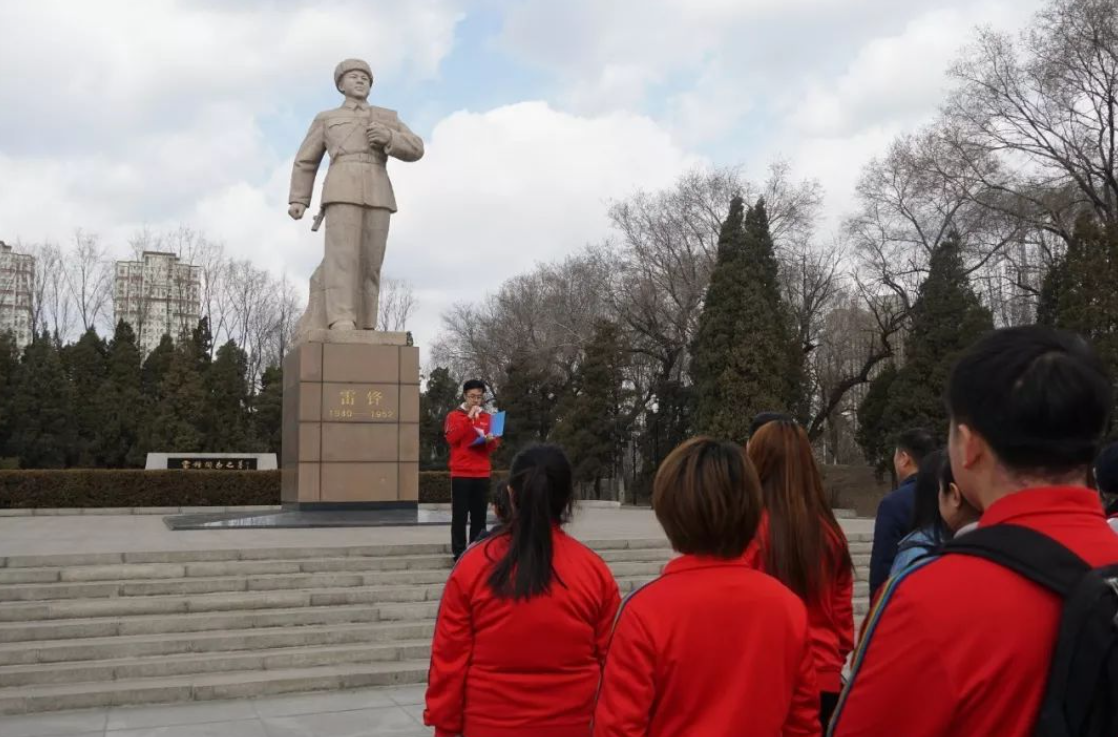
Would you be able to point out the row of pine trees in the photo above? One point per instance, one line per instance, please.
(98, 403)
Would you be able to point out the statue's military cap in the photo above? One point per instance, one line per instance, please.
(350, 65)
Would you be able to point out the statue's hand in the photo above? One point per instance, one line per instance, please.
(296, 210)
(378, 134)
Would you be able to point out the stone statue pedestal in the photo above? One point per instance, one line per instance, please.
(351, 422)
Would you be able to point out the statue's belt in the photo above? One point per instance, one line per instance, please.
(359, 158)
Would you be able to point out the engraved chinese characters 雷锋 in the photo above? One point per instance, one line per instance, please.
(357, 200)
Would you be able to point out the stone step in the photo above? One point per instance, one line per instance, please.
(195, 586)
(41, 592)
(284, 553)
(104, 618)
(123, 572)
(127, 606)
(258, 582)
(148, 571)
(218, 556)
(209, 687)
(31, 652)
(215, 621)
(166, 666)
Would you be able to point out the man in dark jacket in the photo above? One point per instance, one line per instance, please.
(894, 513)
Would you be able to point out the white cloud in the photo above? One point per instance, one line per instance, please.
(119, 115)
(502, 190)
(900, 78)
(140, 110)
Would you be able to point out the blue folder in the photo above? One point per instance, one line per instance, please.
(496, 428)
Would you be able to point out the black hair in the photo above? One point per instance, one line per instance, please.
(764, 418)
(501, 504)
(1106, 470)
(934, 474)
(540, 478)
(1040, 397)
(473, 384)
(918, 443)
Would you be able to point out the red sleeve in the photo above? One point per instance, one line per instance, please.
(611, 601)
(628, 692)
(451, 650)
(803, 714)
(457, 428)
(899, 683)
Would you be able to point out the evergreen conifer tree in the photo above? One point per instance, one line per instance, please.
(227, 418)
(178, 422)
(439, 399)
(872, 435)
(121, 403)
(267, 417)
(589, 418)
(85, 364)
(1079, 292)
(43, 405)
(946, 318)
(155, 368)
(529, 398)
(744, 358)
(9, 380)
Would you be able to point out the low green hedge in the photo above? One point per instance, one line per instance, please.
(85, 487)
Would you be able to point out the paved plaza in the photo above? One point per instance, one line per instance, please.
(369, 712)
(77, 534)
(395, 712)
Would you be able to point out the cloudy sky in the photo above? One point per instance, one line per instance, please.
(118, 115)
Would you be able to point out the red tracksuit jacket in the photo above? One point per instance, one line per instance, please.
(501, 668)
(712, 648)
(469, 461)
(960, 647)
(831, 619)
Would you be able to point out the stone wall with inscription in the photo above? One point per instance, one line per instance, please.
(351, 424)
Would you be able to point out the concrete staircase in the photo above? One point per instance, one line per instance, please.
(81, 631)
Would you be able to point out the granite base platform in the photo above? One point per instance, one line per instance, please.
(303, 518)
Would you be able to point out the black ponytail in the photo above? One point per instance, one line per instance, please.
(542, 494)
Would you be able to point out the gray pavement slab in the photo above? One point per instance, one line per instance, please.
(374, 712)
(20, 536)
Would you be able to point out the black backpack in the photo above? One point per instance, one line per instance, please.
(1081, 697)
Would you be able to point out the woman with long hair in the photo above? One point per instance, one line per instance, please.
(801, 543)
(525, 618)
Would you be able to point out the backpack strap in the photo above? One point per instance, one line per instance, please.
(1026, 552)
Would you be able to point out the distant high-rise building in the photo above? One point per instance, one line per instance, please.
(157, 296)
(17, 276)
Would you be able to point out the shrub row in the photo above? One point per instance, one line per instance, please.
(136, 488)
(81, 487)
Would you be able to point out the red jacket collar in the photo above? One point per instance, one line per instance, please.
(692, 562)
(1042, 501)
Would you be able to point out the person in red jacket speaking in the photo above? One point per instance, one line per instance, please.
(524, 619)
(469, 465)
(712, 648)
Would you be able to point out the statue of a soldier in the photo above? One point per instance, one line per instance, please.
(357, 200)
